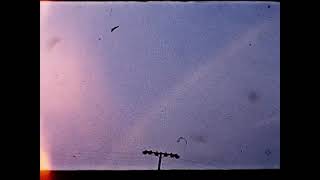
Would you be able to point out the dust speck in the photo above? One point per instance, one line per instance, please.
(267, 152)
(53, 42)
(253, 96)
(199, 138)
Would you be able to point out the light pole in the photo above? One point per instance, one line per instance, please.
(156, 153)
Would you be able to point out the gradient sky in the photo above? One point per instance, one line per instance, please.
(209, 72)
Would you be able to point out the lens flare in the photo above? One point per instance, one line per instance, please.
(45, 173)
(44, 160)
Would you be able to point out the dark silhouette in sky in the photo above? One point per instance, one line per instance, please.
(182, 138)
(114, 28)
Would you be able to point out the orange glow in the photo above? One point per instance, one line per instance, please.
(45, 175)
(44, 166)
(44, 160)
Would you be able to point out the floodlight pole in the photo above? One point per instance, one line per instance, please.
(160, 155)
(159, 163)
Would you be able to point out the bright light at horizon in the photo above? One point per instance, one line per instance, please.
(44, 160)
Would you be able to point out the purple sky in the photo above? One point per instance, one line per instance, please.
(209, 72)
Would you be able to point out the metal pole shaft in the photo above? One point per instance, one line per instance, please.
(159, 164)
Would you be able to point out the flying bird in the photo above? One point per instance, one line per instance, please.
(114, 28)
